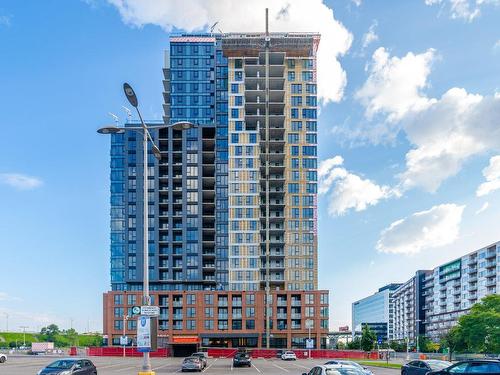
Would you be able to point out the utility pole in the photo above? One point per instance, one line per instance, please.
(24, 334)
(125, 318)
(6, 322)
(268, 286)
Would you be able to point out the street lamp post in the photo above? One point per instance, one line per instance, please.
(125, 318)
(24, 334)
(417, 321)
(182, 125)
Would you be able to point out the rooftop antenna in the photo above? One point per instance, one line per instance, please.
(213, 27)
(115, 117)
(129, 113)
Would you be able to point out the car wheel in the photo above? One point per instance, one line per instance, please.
(2, 359)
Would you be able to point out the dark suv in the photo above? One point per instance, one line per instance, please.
(475, 366)
(242, 359)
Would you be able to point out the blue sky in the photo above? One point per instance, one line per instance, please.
(409, 131)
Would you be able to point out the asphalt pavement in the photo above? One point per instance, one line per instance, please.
(30, 365)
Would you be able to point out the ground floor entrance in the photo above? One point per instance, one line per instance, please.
(183, 350)
(184, 346)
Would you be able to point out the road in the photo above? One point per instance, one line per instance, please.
(125, 366)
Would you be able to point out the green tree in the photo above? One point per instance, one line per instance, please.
(424, 344)
(477, 331)
(368, 338)
(50, 332)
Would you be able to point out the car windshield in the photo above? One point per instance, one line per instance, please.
(354, 364)
(438, 365)
(242, 355)
(349, 371)
(191, 359)
(62, 364)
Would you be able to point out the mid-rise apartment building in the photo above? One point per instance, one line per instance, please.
(409, 314)
(376, 311)
(232, 202)
(452, 288)
(431, 302)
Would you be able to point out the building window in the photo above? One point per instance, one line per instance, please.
(209, 324)
(250, 324)
(209, 299)
(291, 76)
(131, 299)
(191, 324)
(250, 299)
(118, 299)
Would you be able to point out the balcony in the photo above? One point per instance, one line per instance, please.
(296, 316)
(177, 316)
(281, 316)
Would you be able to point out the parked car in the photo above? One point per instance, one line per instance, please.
(337, 369)
(475, 366)
(422, 367)
(69, 366)
(191, 364)
(202, 356)
(365, 370)
(289, 356)
(3, 358)
(279, 353)
(242, 359)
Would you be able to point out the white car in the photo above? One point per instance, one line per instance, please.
(344, 362)
(334, 370)
(3, 358)
(288, 356)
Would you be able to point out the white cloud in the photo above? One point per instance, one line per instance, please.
(20, 181)
(492, 175)
(466, 10)
(483, 208)
(394, 84)
(357, 2)
(371, 36)
(496, 45)
(5, 20)
(347, 190)
(7, 297)
(237, 16)
(433, 228)
(446, 134)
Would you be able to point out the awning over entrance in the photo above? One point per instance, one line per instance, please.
(185, 340)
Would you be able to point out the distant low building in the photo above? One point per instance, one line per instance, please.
(377, 311)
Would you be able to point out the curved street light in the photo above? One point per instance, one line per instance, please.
(111, 129)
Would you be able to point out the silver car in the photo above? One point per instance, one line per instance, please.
(337, 369)
(349, 363)
(192, 364)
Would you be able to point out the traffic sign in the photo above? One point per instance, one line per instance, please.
(150, 310)
(309, 323)
(379, 340)
(309, 344)
(136, 310)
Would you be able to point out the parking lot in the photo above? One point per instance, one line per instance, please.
(111, 365)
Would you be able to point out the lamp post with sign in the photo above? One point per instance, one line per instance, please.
(145, 130)
(124, 339)
(309, 344)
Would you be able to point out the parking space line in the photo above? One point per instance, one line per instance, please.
(284, 369)
(126, 368)
(255, 367)
(206, 368)
(165, 365)
(108, 366)
(300, 366)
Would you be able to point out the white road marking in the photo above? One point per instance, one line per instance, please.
(165, 365)
(255, 367)
(126, 368)
(206, 368)
(284, 369)
(108, 366)
(307, 368)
